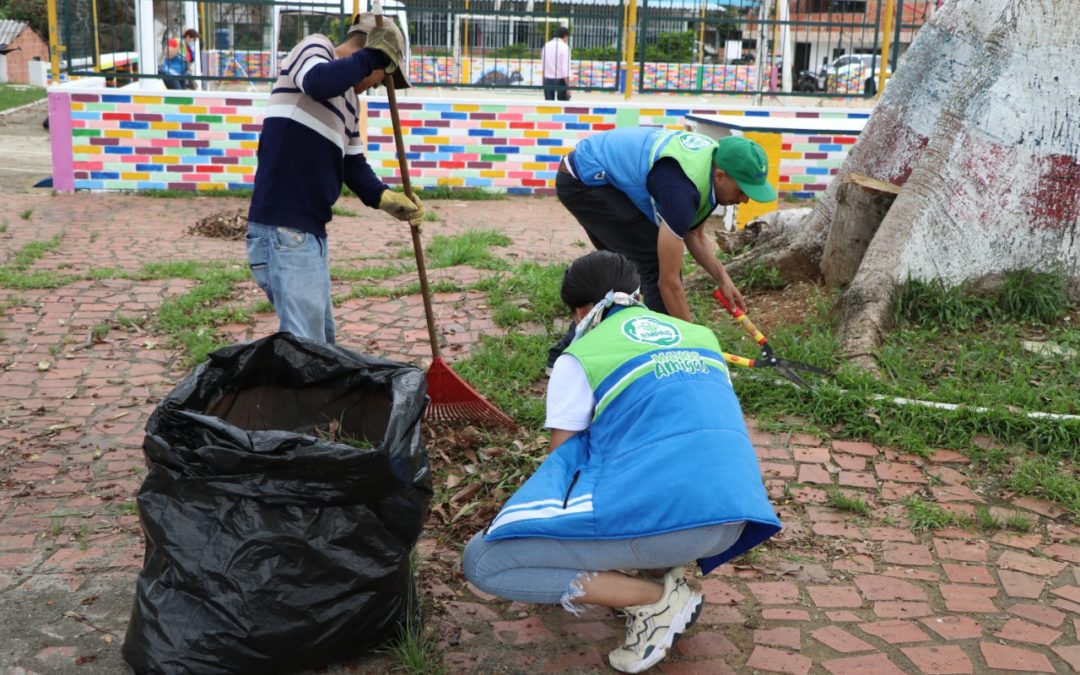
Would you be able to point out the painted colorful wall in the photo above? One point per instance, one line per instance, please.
(130, 139)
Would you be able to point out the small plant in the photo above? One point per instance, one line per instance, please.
(765, 277)
(1034, 296)
(430, 216)
(342, 211)
(926, 515)
(843, 502)
(99, 331)
(25, 215)
(56, 525)
(1018, 523)
(986, 520)
(578, 243)
(3, 226)
(415, 648)
(469, 248)
(937, 306)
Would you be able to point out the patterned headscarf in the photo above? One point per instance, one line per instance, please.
(596, 314)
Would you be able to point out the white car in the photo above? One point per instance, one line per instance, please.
(853, 74)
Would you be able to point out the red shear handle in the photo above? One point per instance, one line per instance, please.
(741, 317)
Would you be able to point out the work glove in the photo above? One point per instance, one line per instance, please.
(384, 40)
(401, 207)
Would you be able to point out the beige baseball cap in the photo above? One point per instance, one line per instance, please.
(365, 23)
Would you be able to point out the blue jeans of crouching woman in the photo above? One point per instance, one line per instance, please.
(293, 269)
(550, 571)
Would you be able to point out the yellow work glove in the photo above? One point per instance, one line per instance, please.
(400, 206)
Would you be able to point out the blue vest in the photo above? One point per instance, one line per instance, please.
(667, 449)
(623, 158)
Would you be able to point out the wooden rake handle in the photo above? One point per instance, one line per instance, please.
(406, 184)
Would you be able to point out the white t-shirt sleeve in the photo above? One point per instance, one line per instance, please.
(570, 401)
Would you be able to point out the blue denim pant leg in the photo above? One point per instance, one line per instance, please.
(293, 269)
(544, 571)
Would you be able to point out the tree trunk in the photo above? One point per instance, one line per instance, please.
(998, 185)
(897, 132)
(861, 205)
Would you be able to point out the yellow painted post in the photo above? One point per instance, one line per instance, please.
(631, 39)
(547, 21)
(701, 37)
(886, 39)
(54, 47)
(97, 42)
(772, 144)
(465, 46)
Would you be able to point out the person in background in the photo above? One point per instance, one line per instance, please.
(651, 468)
(309, 146)
(556, 59)
(179, 55)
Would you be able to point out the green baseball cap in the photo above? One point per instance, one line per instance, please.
(746, 162)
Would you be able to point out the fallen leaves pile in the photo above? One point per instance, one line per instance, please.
(222, 225)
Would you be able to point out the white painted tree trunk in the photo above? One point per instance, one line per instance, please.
(898, 130)
(997, 186)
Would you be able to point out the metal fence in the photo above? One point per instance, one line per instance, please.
(782, 47)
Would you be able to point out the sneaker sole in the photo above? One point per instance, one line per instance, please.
(679, 626)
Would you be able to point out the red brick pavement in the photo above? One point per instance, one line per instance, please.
(834, 593)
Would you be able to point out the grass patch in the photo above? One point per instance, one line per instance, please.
(18, 274)
(926, 516)
(192, 194)
(25, 215)
(342, 211)
(441, 286)
(505, 369)
(469, 248)
(371, 273)
(530, 293)
(414, 648)
(463, 194)
(765, 277)
(430, 216)
(15, 95)
(190, 319)
(843, 502)
(1050, 478)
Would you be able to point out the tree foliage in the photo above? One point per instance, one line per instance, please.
(33, 12)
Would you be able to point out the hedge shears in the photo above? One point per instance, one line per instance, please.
(767, 359)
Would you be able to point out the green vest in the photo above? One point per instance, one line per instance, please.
(634, 331)
(694, 153)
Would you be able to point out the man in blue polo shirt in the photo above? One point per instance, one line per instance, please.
(644, 192)
(309, 146)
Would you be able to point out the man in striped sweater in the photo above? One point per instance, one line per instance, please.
(310, 146)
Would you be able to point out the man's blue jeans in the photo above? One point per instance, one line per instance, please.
(293, 269)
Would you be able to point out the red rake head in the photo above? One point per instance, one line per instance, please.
(452, 399)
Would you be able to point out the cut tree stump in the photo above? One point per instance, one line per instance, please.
(861, 205)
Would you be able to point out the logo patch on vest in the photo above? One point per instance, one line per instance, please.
(650, 331)
(694, 142)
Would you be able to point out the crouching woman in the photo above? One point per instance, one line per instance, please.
(651, 468)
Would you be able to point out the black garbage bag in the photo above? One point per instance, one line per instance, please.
(273, 542)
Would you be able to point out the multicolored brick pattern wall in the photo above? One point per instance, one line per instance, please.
(135, 140)
(140, 141)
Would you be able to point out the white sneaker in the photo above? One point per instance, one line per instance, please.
(651, 630)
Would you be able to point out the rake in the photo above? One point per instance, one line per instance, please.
(451, 398)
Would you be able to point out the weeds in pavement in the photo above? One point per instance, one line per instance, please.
(25, 215)
(192, 194)
(190, 319)
(3, 225)
(430, 216)
(468, 248)
(18, 274)
(342, 211)
(414, 648)
(843, 502)
(925, 516)
(371, 273)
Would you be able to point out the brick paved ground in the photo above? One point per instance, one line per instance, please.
(836, 593)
